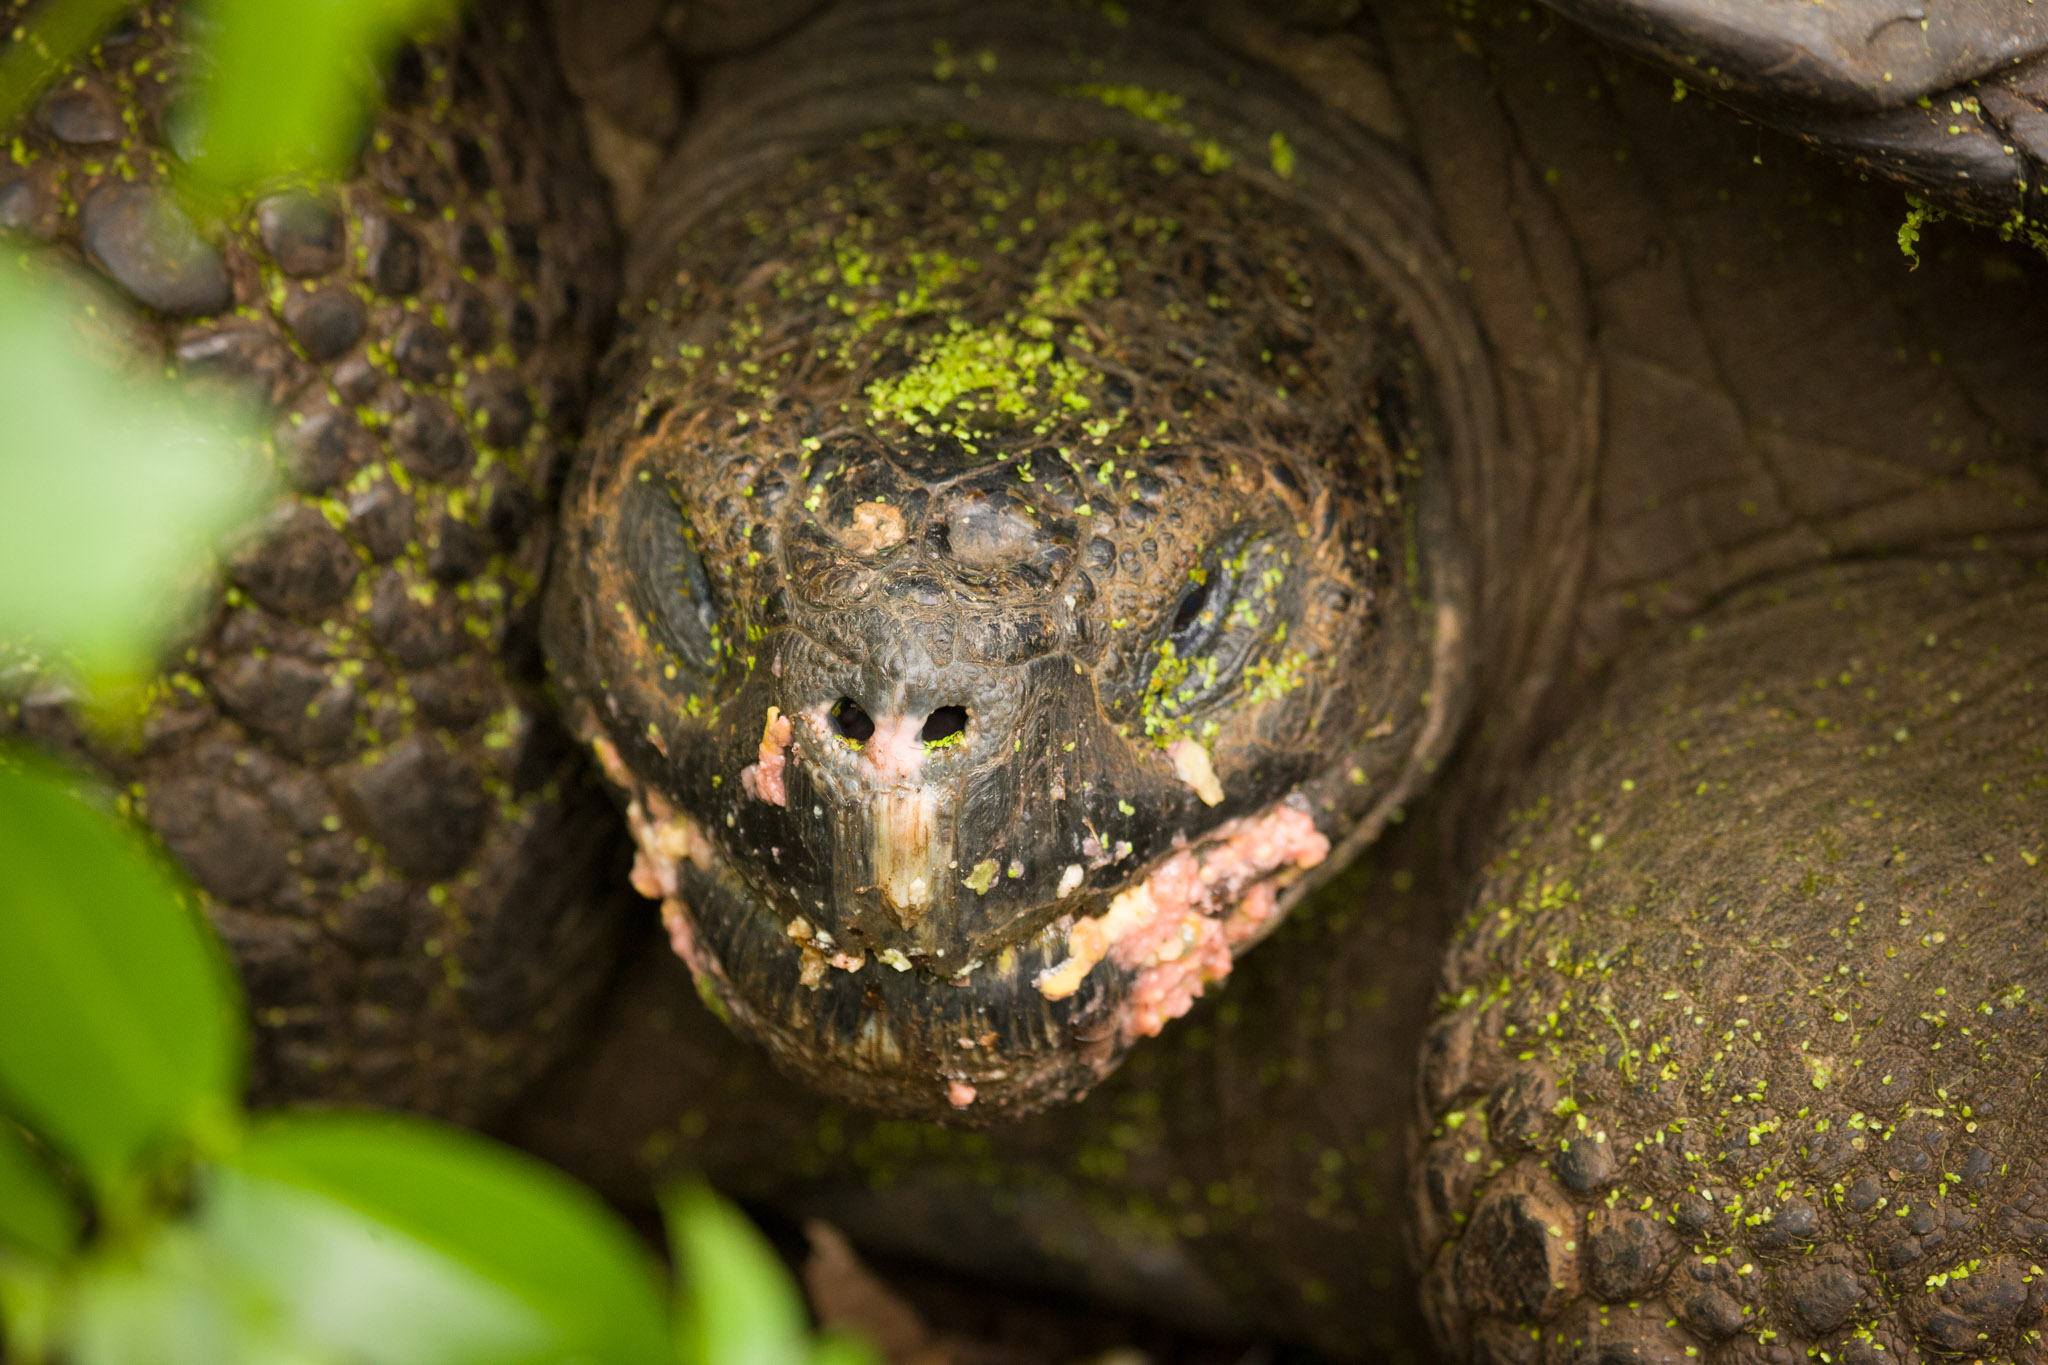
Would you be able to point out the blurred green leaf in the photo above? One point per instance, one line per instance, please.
(28, 1296)
(35, 1214)
(290, 83)
(394, 1240)
(170, 1299)
(111, 491)
(351, 1286)
(117, 1029)
(736, 1304)
(838, 1348)
(53, 35)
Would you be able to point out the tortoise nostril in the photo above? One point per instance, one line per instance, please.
(851, 721)
(944, 723)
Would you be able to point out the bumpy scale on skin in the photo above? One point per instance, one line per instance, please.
(1743, 1039)
(352, 756)
(984, 522)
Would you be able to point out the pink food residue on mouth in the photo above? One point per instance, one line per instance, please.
(682, 939)
(1177, 930)
(665, 839)
(959, 1094)
(764, 779)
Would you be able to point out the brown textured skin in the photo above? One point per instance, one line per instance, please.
(1716, 372)
(1741, 1048)
(352, 756)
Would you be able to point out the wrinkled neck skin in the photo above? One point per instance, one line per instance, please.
(1010, 564)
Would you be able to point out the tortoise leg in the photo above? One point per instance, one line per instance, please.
(353, 755)
(1740, 1046)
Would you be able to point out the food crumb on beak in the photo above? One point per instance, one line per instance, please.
(764, 779)
(960, 1094)
(1191, 765)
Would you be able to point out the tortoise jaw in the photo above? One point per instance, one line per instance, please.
(1021, 1027)
(876, 1029)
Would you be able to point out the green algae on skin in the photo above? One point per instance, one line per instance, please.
(1280, 155)
(1174, 685)
(1013, 366)
(1015, 375)
(982, 877)
(1272, 679)
(1161, 108)
(1835, 983)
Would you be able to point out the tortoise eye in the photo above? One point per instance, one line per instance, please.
(668, 588)
(1199, 617)
(1198, 656)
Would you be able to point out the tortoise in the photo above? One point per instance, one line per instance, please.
(1073, 491)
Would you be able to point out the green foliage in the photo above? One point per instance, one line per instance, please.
(111, 490)
(476, 1243)
(734, 1303)
(734, 1306)
(302, 1237)
(290, 84)
(36, 1217)
(116, 1036)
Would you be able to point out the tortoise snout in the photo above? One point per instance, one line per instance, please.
(884, 750)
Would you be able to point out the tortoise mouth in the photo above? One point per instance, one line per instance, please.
(1033, 1025)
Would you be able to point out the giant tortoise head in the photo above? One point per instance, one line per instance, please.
(1018, 550)
(1010, 563)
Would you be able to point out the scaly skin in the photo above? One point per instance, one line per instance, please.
(352, 756)
(1742, 1043)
